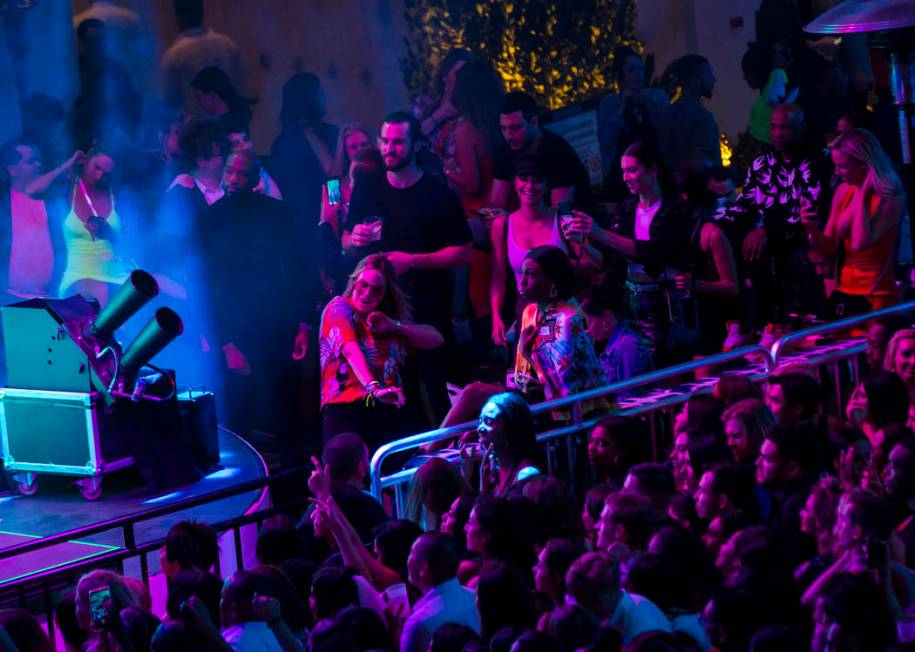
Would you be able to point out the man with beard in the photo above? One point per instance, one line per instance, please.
(419, 224)
(257, 290)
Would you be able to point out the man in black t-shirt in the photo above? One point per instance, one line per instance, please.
(424, 233)
(566, 174)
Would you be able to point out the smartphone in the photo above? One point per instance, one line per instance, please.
(333, 192)
(100, 607)
(564, 210)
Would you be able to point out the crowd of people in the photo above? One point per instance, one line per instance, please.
(332, 289)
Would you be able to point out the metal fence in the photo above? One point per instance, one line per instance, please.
(783, 352)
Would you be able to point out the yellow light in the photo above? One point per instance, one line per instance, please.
(726, 151)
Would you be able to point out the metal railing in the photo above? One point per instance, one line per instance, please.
(42, 583)
(398, 479)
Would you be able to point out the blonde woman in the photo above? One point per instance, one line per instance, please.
(900, 357)
(863, 220)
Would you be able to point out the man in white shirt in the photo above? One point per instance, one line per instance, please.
(196, 48)
(432, 567)
(593, 581)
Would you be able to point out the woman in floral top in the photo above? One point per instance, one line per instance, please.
(555, 350)
(365, 335)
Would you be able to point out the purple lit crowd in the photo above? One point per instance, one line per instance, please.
(357, 283)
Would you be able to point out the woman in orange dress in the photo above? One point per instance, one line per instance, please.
(864, 219)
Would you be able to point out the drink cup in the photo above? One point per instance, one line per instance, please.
(375, 224)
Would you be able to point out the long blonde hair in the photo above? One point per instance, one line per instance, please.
(394, 302)
(889, 360)
(862, 146)
(342, 161)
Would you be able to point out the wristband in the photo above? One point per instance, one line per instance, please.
(372, 386)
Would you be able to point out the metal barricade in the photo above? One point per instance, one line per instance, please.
(400, 478)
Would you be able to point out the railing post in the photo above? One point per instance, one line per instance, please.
(572, 441)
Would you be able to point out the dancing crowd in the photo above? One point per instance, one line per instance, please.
(341, 283)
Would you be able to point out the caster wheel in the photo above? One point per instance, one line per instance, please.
(26, 483)
(90, 489)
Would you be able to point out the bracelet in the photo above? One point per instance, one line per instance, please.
(372, 386)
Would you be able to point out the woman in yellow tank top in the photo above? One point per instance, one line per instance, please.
(90, 230)
(863, 219)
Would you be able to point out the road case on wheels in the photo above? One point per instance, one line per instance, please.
(59, 433)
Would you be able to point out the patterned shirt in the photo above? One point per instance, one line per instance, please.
(772, 195)
(563, 356)
(340, 325)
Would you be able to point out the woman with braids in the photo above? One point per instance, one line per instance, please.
(365, 335)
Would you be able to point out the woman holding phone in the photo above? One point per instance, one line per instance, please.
(863, 220)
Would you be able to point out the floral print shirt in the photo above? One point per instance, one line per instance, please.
(772, 195)
(563, 356)
(340, 325)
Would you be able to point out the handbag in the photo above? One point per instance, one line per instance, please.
(841, 304)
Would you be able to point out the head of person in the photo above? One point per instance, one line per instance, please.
(92, 38)
(455, 519)
(628, 519)
(879, 400)
(592, 507)
(21, 162)
(593, 580)
(694, 74)
(702, 413)
(519, 120)
(853, 609)
(452, 637)
(24, 630)
(732, 388)
(573, 626)
(857, 156)
(721, 528)
(499, 528)
(557, 514)
(477, 95)
(433, 489)
(205, 586)
(859, 516)
(507, 425)
(332, 589)
(400, 133)
(723, 490)
(792, 398)
(786, 127)
(740, 550)
(97, 170)
(818, 516)
(303, 100)
(879, 333)
(611, 445)
(434, 559)
(354, 138)
(278, 541)
(373, 287)
(628, 69)
(692, 573)
(530, 180)
(504, 599)
(346, 458)
(653, 481)
(366, 167)
(553, 562)
(393, 541)
(217, 95)
(899, 473)
(448, 69)
(731, 618)
(746, 424)
(73, 635)
(547, 276)
(204, 147)
(900, 356)
(189, 545)
(188, 13)
(121, 597)
(778, 638)
(644, 172)
(241, 173)
(756, 65)
(785, 456)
